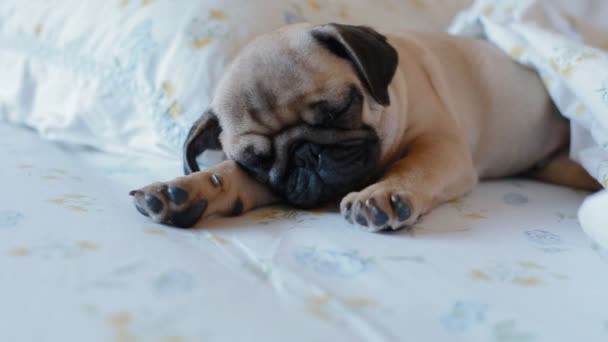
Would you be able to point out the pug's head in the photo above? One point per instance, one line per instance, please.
(296, 110)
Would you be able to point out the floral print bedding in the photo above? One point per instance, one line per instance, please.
(507, 263)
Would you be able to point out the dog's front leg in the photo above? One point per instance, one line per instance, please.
(436, 169)
(224, 190)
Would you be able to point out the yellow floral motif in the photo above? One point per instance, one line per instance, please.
(218, 239)
(314, 5)
(316, 212)
(548, 81)
(146, 2)
(38, 30)
(586, 56)
(531, 265)
(87, 245)
(517, 51)
(19, 252)
(217, 14)
(318, 305)
(269, 214)
(120, 323)
(360, 302)
(420, 4)
(527, 281)
(155, 231)
(566, 71)
(168, 88)
(72, 202)
(581, 109)
(566, 60)
(201, 43)
(344, 11)
(124, 3)
(76, 208)
(522, 273)
(175, 109)
(478, 275)
(474, 216)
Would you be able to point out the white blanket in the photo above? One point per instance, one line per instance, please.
(566, 43)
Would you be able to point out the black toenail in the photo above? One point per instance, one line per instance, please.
(361, 220)
(177, 195)
(189, 217)
(141, 210)
(402, 210)
(154, 204)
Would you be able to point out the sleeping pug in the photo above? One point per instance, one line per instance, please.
(392, 125)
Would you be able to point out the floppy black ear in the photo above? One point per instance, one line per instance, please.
(204, 135)
(374, 59)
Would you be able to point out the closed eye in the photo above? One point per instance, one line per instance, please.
(328, 113)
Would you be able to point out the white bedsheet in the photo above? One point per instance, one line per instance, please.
(78, 263)
(567, 44)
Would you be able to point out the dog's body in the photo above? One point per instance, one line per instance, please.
(401, 123)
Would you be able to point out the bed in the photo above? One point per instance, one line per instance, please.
(508, 263)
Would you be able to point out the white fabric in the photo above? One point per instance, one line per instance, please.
(594, 217)
(78, 263)
(566, 43)
(134, 74)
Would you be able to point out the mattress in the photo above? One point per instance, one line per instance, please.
(508, 262)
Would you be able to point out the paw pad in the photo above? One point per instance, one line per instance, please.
(402, 209)
(154, 204)
(177, 195)
(190, 216)
(379, 217)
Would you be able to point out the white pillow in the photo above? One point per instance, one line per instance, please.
(134, 74)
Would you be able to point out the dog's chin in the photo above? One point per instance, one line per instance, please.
(319, 174)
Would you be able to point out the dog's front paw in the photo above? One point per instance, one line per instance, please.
(379, 208)
(179, 203)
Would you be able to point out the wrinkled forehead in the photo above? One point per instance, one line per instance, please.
(278, 74)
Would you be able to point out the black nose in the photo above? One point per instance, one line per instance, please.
(307, 155)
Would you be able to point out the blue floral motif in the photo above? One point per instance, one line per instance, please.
(543, 237)
(174, 282)
(515, 199)
(332, 262)
(604, 92)
(464, 315)
(293, 15)
(9, 218)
